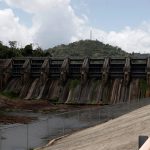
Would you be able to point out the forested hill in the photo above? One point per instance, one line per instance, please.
(94, 49)
(13, 51)
(89, 48)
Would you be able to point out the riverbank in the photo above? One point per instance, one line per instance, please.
(18, 110)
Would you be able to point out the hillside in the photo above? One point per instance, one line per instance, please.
(90, 48)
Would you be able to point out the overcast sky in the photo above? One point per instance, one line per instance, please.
(123, 23)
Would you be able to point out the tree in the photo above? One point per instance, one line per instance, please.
(1, 43)
(28, 50)
(38, 52)
(13, 44)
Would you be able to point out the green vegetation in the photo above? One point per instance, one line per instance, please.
(96, 83)
(89, 48)
(143, 87)
(81, 48)
(12, 51)
(2, 113)
(73, 83)
(54, 100)
(11, 95)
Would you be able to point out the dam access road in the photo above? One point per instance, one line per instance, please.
(118, 134)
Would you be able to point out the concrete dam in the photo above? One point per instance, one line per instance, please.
(77, 81)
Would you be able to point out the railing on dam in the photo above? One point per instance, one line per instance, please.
(37, 134)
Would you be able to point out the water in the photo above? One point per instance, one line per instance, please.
(49, 126)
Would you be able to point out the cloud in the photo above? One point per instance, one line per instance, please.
(129, 39)
(11, 29)
(55, 22)
(137, 39)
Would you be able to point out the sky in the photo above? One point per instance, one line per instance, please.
(48, 23)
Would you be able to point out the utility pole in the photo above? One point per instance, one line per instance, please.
(90, 34)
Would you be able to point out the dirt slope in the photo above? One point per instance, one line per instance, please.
(118, 134)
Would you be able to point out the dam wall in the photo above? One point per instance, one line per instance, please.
(76, 81)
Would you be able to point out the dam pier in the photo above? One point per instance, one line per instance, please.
(77, 81)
